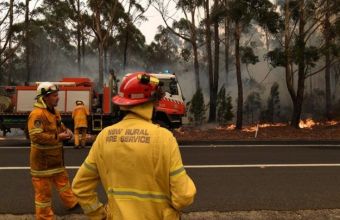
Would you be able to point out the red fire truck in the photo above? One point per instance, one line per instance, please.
(16, 102)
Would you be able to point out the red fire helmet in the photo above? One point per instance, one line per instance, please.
(137, 88)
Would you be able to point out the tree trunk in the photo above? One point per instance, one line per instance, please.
(126, 47)
(195, 49)
(27, 42)
(301, 70)
(100, 65)
(328, 64)
(10, 32)
(213, 95)
(226, 45)
(239, 117)
(78, 37)
(209, 56)
(100, 38)
(82, 49)
(289, 66)
(196, 65)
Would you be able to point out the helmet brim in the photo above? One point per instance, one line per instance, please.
(118, 100)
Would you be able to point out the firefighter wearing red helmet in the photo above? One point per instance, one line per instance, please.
(47, 134)
(138, 163)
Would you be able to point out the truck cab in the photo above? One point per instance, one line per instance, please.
(171, 108)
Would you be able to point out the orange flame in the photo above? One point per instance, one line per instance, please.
(250, 129)
(332, 122)
(228, 128)
(308, 123)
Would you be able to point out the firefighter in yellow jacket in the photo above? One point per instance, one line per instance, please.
(79, 115)
(47, 134)
(138, 163)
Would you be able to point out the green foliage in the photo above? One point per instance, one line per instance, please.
(164, 50)
(224, 107)
(273, 105)
(248, 56)
(197, 108)
(261, 11)
(311, 55)
(186, 54)
(276, 57)
(252, 105)
(182, 25)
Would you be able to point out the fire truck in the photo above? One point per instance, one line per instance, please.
(16, 103)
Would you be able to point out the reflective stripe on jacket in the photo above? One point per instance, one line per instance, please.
(79, 116)
(140, 167)
(46, 156)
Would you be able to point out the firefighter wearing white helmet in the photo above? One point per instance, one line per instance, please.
(46, 88)
(138, 163)
(47, 134)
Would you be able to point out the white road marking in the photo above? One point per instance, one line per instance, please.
(216, 166)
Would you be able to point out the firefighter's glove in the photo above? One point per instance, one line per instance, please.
(70, 133)
(66, 135)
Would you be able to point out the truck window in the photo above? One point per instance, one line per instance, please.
(170, 86)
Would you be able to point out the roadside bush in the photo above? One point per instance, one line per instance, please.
(196, 113)
(224, 107)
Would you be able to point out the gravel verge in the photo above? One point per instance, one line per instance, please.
(324, 214)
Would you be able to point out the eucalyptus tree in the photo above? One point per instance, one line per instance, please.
(243, 13)
(27, 41)
(77, 15)
(331, 9)
(208, 35)
(226, 41)
(52, 49)
(135, 14)
(11, 39)
(6, 25)
(104, 15)
(300, 52)
(136, 47)
(185, 28)
(164, 49)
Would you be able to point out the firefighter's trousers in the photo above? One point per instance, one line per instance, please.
(43, 194)
(80, 131)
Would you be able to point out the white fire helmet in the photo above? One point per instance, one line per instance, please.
(46, 88)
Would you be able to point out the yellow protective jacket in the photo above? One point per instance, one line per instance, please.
(79, 115)
(46, 156)
(140, 167)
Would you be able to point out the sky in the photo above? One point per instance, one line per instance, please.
(149, 28)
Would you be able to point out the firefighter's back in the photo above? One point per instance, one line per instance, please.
(135, 168)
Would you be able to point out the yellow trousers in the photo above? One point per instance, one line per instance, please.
(43, 194)
(80, 131)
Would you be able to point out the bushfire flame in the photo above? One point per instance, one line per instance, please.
(308, 123)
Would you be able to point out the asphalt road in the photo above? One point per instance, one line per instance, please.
(229, 177)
